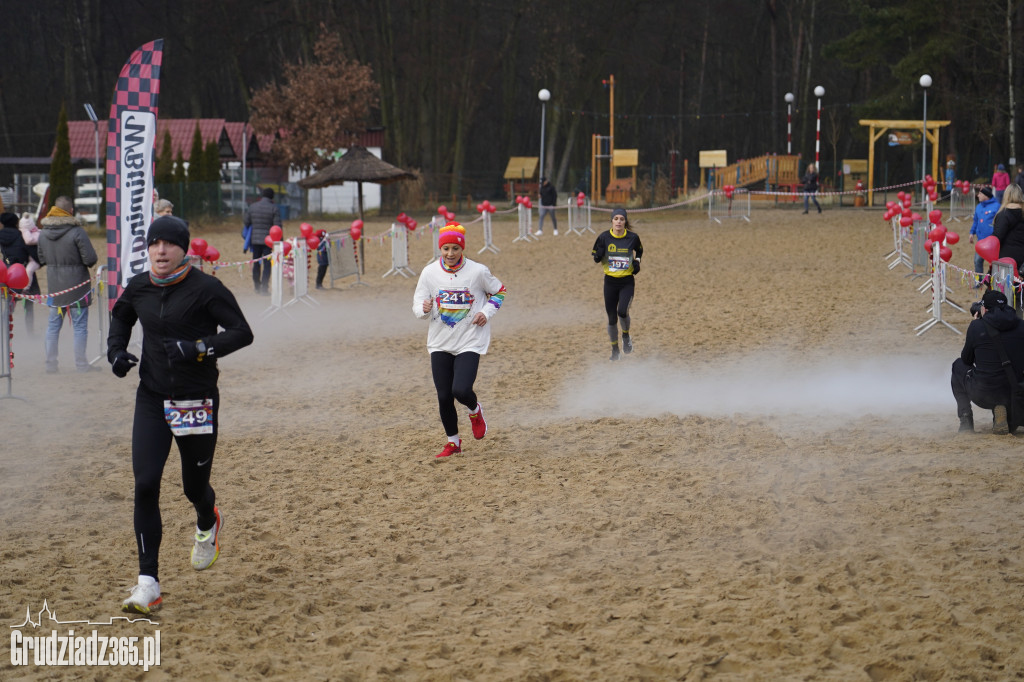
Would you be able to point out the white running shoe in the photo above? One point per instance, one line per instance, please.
(556, 231)
(207, 546)
(145, 597)
(538, 233)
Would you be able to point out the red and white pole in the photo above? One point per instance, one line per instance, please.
(789, 123)
(819, 92)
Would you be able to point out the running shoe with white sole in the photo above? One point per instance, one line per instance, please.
(145, 597)
(478, 423)
(450, 449)
(207, 545)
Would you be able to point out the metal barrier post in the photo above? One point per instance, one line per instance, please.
(103, 311)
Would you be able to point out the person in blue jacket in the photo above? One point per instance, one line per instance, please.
(981, 227)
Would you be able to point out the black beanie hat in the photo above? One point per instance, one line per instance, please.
(9, 219)
(170, 229)
(993, 299)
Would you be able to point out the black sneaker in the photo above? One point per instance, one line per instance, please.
(615, 352)
(627, 344)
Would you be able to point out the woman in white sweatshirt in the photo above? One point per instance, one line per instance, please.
(459, 297)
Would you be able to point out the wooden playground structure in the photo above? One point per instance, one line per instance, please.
(777, 171)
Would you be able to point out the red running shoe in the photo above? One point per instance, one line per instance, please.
(450, 449)
(479, 425)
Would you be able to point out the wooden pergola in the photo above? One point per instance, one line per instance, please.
(883, 127)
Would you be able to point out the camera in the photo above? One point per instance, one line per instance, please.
(976, 309)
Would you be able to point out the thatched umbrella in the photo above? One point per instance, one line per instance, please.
(356, 165)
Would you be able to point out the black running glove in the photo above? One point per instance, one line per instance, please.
(636, 266)
(181, 351)
(123, 362)
(598, 255)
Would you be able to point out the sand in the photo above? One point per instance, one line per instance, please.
(770, 487)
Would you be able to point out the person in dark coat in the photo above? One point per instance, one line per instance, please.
(261, 215)
(978, 375)
(1008, 225)
(65, 249)
(15, 250)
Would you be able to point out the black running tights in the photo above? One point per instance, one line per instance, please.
(454, 376)
(151, 445)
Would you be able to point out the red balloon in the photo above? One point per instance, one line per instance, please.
(276, 233)
(442, 210)
(3, 273)
(890, 205)
(199, 246)
(906, 221)
(579, 200)
(412, 224)
(268, 241)
(928, 246)
(935, 216)
(988, 248)
(449, 216)
(916, 217)
(479, 208)
(212, 255)
(519, 199)
(287, 246)
(933, 196)
(312, 242)
(945, 253)
(306, 229)
(357, 224)
(356, 230)
(17, 277)
(937, 234)
(402, 218)
(952, 237)
(491, 208)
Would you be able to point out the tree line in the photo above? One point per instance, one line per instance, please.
(458, 79)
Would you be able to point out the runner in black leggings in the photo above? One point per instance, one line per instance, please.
(181, 310)
(619, 250)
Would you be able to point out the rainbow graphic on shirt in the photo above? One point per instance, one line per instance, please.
(497, 299)
(453, 305)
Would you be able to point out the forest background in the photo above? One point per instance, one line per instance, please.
(459, 79)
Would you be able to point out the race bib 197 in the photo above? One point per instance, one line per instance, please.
(189, 417)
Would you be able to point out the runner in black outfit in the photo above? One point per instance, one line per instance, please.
(619, 250)
(181, 309)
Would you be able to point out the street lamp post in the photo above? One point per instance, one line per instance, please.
(544, 95)
(789, 123)
(819, 92)
(926, 82)
(96, 145)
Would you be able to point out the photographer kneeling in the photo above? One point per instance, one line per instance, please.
(978, 374)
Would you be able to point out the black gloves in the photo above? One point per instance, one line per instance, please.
(598, 255)
(181, 351)
(123, 362)
(636, 267)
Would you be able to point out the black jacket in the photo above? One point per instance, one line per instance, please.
(980, 350)
(13, 246)
(548, 195)
(190, 310)
(262, 215)
(1008, 227)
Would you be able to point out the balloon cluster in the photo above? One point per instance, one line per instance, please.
(486, 207)
(407, 221)
(963, 185)
(525, 201)
(200, 249)
(277, 234)
(356, 230)
(308, 233)
(581, 199)
(15, 276)
(940, 235)
(930, 188)
(902, 209)
(729, 189)
(442, 210)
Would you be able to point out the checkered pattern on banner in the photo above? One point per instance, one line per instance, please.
(138, 89)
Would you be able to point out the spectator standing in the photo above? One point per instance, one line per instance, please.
(261, 216)
(65, 249)
(15, 250)
(1000, 181)
(810, 181)
(163, 207)
(548, 204)
(981, 226)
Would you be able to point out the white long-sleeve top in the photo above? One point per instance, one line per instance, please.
(457, 297)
